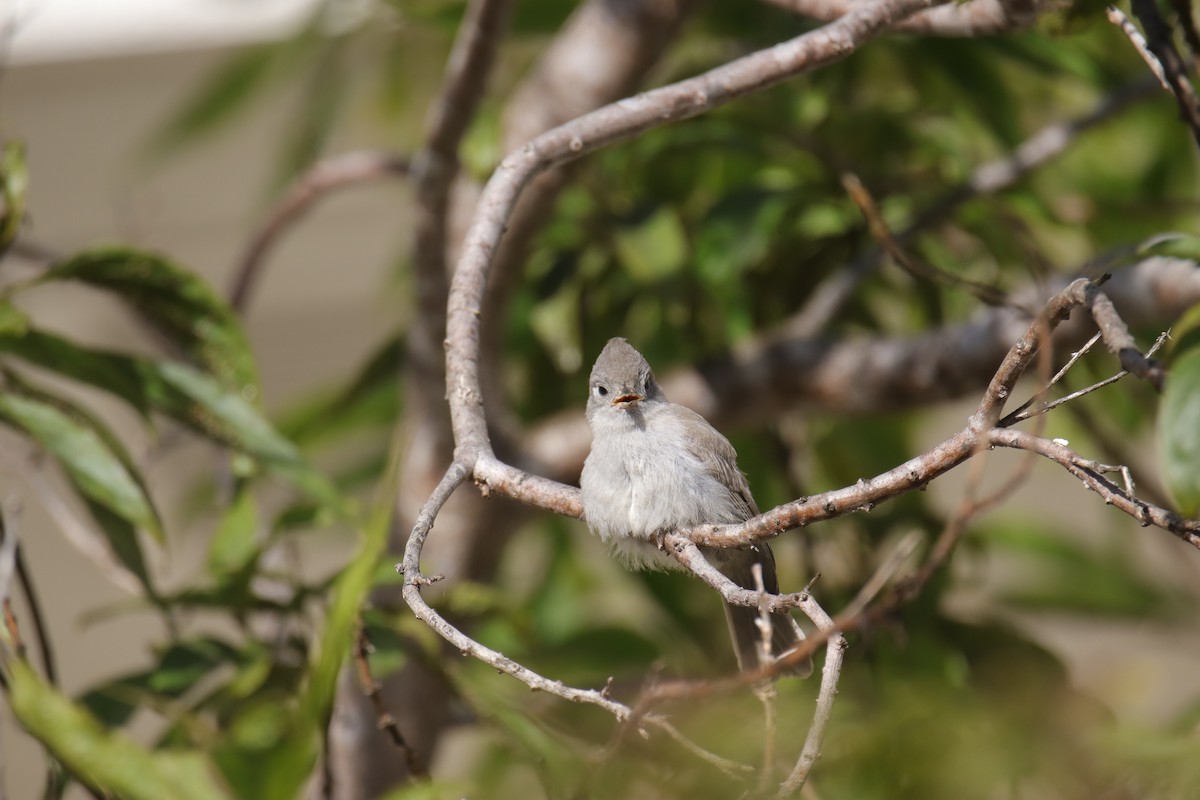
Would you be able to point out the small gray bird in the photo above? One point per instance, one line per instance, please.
(655, 467)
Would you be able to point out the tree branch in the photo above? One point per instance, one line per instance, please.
(596, 129)
(832, 293)
(976, 18)
(434, 171)
(1159, 53)
(779, 372)
(322, 178)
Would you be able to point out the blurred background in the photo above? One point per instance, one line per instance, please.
(1056, 656)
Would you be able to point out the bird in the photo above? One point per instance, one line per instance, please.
(654, 467)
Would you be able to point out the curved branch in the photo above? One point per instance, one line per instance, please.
(434, 170)
(322, 178)
(596, 129)
(457, 473)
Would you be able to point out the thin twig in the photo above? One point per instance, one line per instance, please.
(322, 178)
(884, 573)
(1025, 412)
(906, 261)
(1174, 72)
(1117, 17)
(455, 475)
(823, 710)
(1018, 412)
(385, 720)
(766, 691)
(831, 295)
(1090, 473)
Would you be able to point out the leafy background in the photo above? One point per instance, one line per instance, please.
(1052, 662)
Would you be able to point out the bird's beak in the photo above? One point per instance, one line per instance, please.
(627, 399)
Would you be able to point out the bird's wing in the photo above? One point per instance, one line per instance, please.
(713, 450)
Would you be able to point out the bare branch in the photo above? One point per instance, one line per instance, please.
(1025, 411)
(1171, 70)
(434, 171)
(778, 372)
(830, 672)
(1117, 17)
(1091, 474)
(602, 127)
(414, 580)
(457, 473)
(322, 178)
(976, 18)
(386, 722)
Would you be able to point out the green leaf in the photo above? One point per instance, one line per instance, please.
(1059, 574)
(654, 249)
(110, 762)
(282, 771)
(182, 393)
(116, 374)
(228, 90)
(371, 399)
(14, 180)
(234, 545)
(13, 321)
(1170, 245)
(87, 451)
(180, 667)
(176, 303)
(193, 397)
(1185, 333)
(1179, 432)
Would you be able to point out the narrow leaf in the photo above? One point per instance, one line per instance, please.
(14, 180)
(88, 452)
(117, 374)
(227, 90)
(176, 303)
(110, 762)
(234, 545)
(182, 393)
(1179, 432)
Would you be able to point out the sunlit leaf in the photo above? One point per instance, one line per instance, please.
(653, 249)
(90, 454)
(109, 761)
(1179, 432)
(182, 393)
(235, 544)
(14, 181)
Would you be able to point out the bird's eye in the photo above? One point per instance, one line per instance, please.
(601, 391)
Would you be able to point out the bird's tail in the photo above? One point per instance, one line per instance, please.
(737, 565)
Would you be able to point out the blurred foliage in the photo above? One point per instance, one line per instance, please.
(688, 240)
